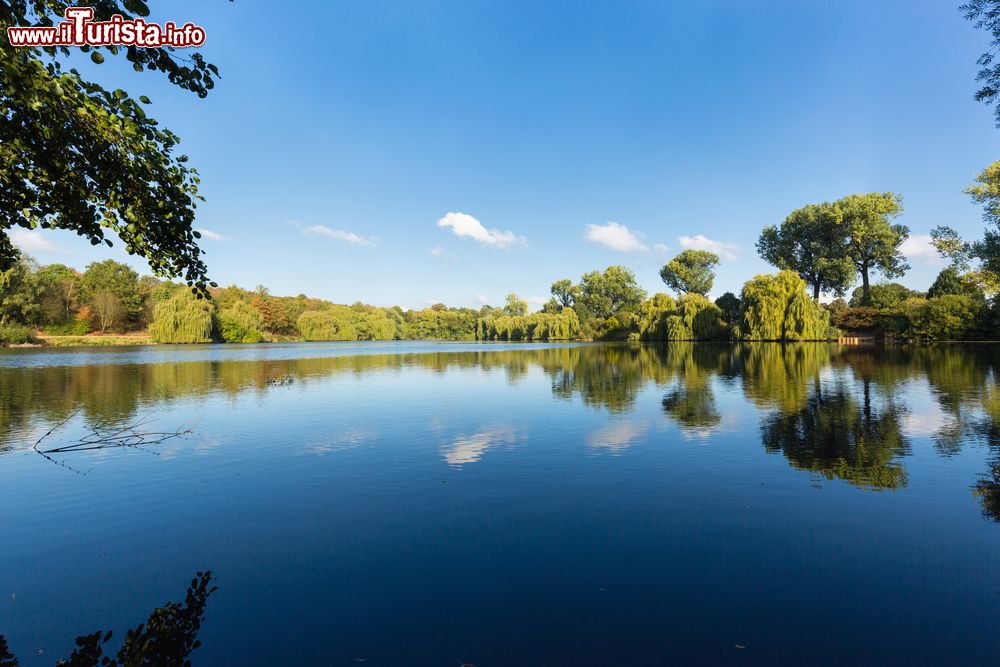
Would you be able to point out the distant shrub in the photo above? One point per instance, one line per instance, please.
(882, 296)
(241, 323)
(182, 319)
(776, 307)
(861, 317)
(948, 317)
(15, 334)
(74, 327)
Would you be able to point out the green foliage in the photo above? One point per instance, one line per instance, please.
(701, 317)
(15, 334)
(564, 292)
(60, 292)
(691, 272)
(776, 307)
(79, 157)
(653, 315)
(334, 324)
(986, 192)
(240, 323)
(183, 319)
(603, 294)
(74, 327)
(537, 326)
(811, 242)
(19, 293)
(882, 296)
(951, 246)
(947, 317)
(692, 317)
(859, 318)
(430, 324)
(984, 15)
(950, 281)
(120, 280)
(516, 305)
(873, 243)
(730, 306)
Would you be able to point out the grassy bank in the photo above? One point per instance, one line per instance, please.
(94, 340)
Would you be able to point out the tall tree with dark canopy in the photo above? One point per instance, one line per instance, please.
(873, 242)
(811, 242)
(76, 156)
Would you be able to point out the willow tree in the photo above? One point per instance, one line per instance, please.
(76, 156)
(241, 323)
(183, 319)
(776, 307)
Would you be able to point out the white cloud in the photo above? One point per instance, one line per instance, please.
(662, 249)
(462, 224)
(538, 301)
(213, 236)
(481, 299)
(617, 437)
(701, 242)
(341, 235)
(615, 236)
(33, 241)
(918, 248)
(470, 448)
(440, 253)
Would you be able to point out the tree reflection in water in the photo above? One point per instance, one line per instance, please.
(830, 410)
(835, 436)
(166, 639)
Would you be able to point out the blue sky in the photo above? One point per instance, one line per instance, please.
(338, 139)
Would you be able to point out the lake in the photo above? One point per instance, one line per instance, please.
(445, 503)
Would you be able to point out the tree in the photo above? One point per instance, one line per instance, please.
(108, 309)
(82, 158)
(605, 293)
(183, 319)
(951, 246)
(60, 288)
(115, 278)
(873, 243)
(516, 305)
(778, 308)
(729, 304)
(986, 192)
(564, 292)
(985, 14)
(240, 323)
(811, 242)
(950, 281)
(19, 293)
(691, 272)
(882, 296)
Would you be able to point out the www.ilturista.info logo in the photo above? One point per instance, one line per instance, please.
(80, 30)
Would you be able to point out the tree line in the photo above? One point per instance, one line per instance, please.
(819, 249)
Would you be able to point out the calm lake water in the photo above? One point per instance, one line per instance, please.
(432, 504)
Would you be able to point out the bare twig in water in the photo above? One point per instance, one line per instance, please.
(104, 435)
